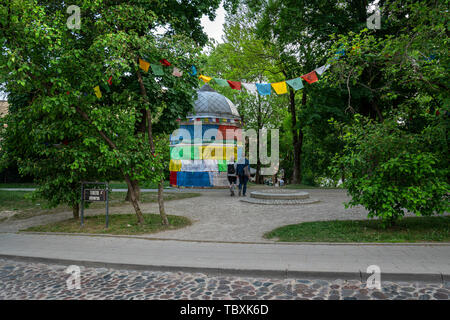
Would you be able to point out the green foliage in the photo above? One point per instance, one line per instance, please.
(244, 57)
(58, 130)
(390, 170)
(397, 76)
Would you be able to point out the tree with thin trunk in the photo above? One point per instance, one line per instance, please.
(58, 69)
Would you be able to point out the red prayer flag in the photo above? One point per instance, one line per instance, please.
(110, 80)
(234, 84)
(310, 77)
(165, 62)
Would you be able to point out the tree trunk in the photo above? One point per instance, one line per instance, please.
(148, 116)
(162, 211)
(76, 211)
(377, 110)
(133, 200)
(137, 191)
(296, 175)
(258, 176)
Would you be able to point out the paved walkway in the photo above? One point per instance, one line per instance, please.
(218, 217)
(48, 281)
(411, 262)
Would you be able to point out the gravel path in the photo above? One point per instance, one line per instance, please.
(20, 280)
(219, 217)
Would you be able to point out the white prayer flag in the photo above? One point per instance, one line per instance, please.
(322, 69)
(250, 87)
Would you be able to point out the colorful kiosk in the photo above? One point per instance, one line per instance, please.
(205, 141)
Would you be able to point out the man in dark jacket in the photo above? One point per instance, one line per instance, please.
(243, 172)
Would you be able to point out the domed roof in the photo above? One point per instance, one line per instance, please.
(212, 104)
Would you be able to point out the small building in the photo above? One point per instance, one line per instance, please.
(205, 142)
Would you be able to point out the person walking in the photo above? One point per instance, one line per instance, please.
(231, 173)
(243, 172)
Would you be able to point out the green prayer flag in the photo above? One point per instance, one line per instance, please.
(157, 69)
(296, 83)
(221, 82)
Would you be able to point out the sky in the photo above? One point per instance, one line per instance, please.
(214, 29)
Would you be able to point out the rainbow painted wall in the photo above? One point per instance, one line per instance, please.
(200, 152)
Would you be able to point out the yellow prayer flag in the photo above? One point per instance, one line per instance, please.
(280, 87)
(97, 91)
(144, 65)
(205, 78)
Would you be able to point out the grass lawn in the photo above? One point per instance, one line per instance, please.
(20, 202)
(125, 224)
(411, 229)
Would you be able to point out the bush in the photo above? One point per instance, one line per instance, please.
(390, 169)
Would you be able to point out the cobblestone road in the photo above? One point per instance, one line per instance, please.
(19, 280)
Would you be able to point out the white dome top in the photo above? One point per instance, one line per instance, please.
(210, 103)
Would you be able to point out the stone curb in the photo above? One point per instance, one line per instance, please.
(280, 202)
(279, 274)
(408, 244)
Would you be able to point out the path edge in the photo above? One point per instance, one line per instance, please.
(283, 274)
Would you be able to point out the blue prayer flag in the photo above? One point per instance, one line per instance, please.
(193, 71)
(264, 89)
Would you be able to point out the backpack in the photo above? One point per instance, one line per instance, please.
(246, 171)
(231, 169)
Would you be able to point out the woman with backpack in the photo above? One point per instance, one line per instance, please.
(231, 172)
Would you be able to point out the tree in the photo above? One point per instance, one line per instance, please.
(55, 155)
(242, 57)
(300, 30)
(391, 169)
(397, 159)
(58, 68)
